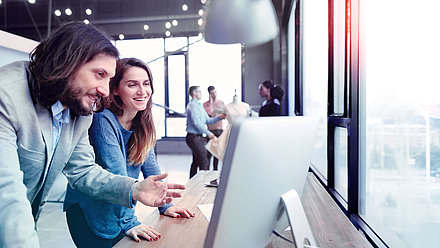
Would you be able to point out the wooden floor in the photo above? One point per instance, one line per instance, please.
(52, 227)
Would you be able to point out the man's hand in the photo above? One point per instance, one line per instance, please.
(154, 193)
(222, 116)
(211, 136)
(177, 212)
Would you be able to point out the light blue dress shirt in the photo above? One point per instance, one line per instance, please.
(59, 116)
(197, 118)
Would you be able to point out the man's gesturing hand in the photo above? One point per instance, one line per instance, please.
(154, 193)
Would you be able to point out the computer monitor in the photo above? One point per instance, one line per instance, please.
(265, 158)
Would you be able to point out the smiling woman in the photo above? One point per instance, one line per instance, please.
(134, 91)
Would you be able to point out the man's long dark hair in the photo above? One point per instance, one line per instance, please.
(59, 57)
(144, 132)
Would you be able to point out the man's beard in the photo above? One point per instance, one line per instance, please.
(72, 98)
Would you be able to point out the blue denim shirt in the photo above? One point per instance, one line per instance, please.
(197, 118)
(109, 140)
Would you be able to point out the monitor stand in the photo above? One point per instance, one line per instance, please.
(299, 225)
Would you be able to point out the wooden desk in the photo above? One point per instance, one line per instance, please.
(329, 225)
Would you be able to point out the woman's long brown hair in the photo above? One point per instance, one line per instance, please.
(143, 138)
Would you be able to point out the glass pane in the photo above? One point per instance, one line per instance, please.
(315, 74)
(291, 63)
(400, 121)
(216, 65)
(173, 44)
(143, 49)
(338, 55)
(176, 127)
(341, 165)
(176, 83)
(193, 39)
(157, 69)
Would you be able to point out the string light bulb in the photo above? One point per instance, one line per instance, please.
(68, 11)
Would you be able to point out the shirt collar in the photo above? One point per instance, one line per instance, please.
(194, 100)
(60, 114)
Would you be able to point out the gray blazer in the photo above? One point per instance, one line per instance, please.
(25, 165)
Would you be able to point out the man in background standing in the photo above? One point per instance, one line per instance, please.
(196, 121)
(214, 107)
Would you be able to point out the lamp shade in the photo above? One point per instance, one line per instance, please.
(240, 21)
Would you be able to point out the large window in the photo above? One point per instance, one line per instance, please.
(383, 157)
(315, 74)
(400, 121)
(216, 65)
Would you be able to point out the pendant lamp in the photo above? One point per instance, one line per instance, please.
(252, 22)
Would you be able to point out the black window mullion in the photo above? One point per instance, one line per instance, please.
(299, 110)
(353, 130)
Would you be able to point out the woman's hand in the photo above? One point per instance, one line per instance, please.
(176, 212)
(144, 231)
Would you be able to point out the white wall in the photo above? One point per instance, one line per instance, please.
(14, 47)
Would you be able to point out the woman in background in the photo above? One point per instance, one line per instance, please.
(123, 136)
(273, 95)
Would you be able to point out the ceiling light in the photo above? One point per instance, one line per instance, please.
(200, 22)
(88, 11)
(251, 22)
(31, 1)
(68, 11)
(0, 1)
(168, 24)
(175, 22)
(167, 33)
(57, 12)
(203, 1)
(184, 7)
(121, 36)
(86, 21)
(146, 27)
(200, 12)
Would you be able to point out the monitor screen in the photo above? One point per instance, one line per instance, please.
(265, 157)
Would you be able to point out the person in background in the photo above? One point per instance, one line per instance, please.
(273, 95)
(123, 136)
(234, 110)
(45, 114)
(214, 107)
(196, 121)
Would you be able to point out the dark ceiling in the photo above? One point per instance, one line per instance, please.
(113, 16)
(128, 17)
